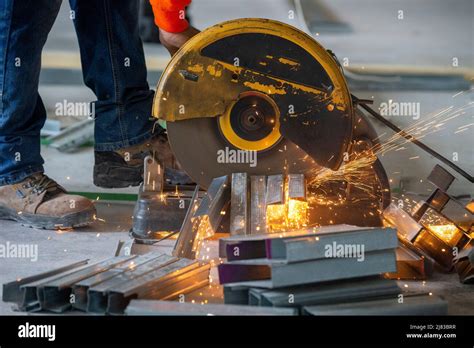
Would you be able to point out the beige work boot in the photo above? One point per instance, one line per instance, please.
(40, 202)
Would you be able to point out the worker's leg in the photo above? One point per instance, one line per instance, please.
(26, 194)
(24, 27)
(114, 68)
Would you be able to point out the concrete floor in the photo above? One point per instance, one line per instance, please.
(57, 248)
(432, 33)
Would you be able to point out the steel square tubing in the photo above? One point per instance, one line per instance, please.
(182, 284)
(297, 187)
(97, 295)
(275, 190)
(154, 307)
(331, 292)
(258, 205)
(12, 291)
(441, 178)
(119, 296)
(410, 265)
(239, 210)
(216, 199)
(80, 289)
(54, 295)
(412, 305)
(311, 248)
(251, 240)
(406, 226)
(282, 274)
(308, 243)
(187, 234)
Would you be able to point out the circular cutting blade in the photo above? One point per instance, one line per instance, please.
(205, 154)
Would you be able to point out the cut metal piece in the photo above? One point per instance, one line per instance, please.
(54, 295)
(410, 265)
(457, 213)
(350, 290)
(437, 248)
(464, 264)
(407, 227)
(214, 202)
(158, 282)
(309, 244)
(153, 307)
(205, 219)
(81, 288)
(258, 205)
(181, 284)
(439, 200)
(30, 300)
(255, 296)
(441, 178)
(297, 187)
(239, 210)
(97, 294)
(187, 234)
(411, 305)
(280, 274)
(312, 248)
(275, 190)
(236, 295)
(444, 228)
(13, 292)
(254, 245)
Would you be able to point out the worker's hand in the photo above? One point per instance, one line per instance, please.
(173, 41)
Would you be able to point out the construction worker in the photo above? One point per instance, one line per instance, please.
(125, 133)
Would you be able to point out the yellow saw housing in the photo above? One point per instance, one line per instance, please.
(266, 84)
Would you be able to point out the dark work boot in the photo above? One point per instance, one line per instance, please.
(40, 202)
(124, 167)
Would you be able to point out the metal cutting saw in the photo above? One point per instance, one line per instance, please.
(264, 86)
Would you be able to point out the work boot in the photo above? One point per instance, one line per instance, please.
(124, 167)
(40, 202)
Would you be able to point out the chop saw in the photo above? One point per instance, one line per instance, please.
(263, 86)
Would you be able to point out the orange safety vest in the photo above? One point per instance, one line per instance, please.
(169, 14)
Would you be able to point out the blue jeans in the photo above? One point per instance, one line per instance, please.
(113, 66)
